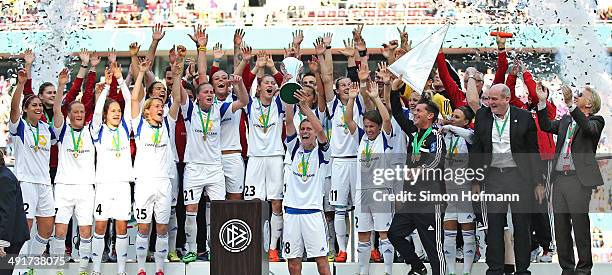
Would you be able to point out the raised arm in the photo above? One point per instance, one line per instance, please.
(242, 93)
(326, 70)
(545, 123)
(177, 72)
(348, 117)
(396, 107)
(88, 98)
(96, 120)
(125, 91)
(22, 77)
(385, 75)
(364, 80)
(200, 38)
(75, 89)
(472, 95)
(218, 53)
(455, 95)
(314, 120)
(158, 35)
(238, 41)
(142, 68)
(380, 106)
(298, 37)
(502, 59)
(58, 116)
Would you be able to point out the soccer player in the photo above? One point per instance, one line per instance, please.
(32, 139)
(374, 147)
(304, 224)
(74, 190)
(204, 169)
(265, 167)
(152, 191)
(110, 128)
(458, 138)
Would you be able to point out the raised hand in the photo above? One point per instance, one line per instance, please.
(568, 95)
(218, 51)
(373, 91)
(134, 49)
(112, 55)
(99, 87)
(199, 36)
(349, 48)
(63, 76)
(364, 71)
(29, 56)
(327, 38)
(238, 36)
(269, 61)
(397, 83)
(158, 32)
(501, 41)
(172, 55)
(393, 45)
(247, 52)
(354, 90)
(384, 73)
(144, 64)
(357, 33)
(234, 79)
(298, 37)
(116, 70)
(300, 95)
(313, 65)
(181, 51)
(177, 69)
(290, 51)
(108, 76)
(404, 37)
(262, 57)
(517, 67)
(84, 56)
(542, 96)
(22, 76)
(319, 46)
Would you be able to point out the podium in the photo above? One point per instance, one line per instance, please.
(240, 237)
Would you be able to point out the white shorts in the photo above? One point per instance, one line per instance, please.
(75, 199)
(304, 231)
(233, 169)
(459, 211)
(152, 196)
(372, 215)
(174, 182)
(264, 178)
(343, 181)
(37, 200)
(113, 201)
(327, 207)
(199, 177)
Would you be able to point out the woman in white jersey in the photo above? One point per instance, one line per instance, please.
(152, 191)
(264, 171)
(204, 169)
(304, 221)
(458, 137)
(74, 182)
(110, 128)
(32, 141)
(373, 154)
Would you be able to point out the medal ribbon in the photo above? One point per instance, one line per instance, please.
(266, 117)
(344, 118)
(35, 136)
(416, 143)
(368, 153)
(50, 121)
(75, 145)
(205, 126)
(569, 136)
(116, 140)
(305, 163)
(452, 146)
(156, 137)
(501, 131)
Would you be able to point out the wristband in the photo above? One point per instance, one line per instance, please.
(328, 47)
(84, 66)
(363, 53)
(217, 60)
(202, 48)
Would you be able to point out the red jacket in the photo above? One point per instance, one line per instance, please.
(455, 95)
(546, 143)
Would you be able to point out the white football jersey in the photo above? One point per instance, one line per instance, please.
(230, 127)
(32, 159)
(76, 155)
(114, 155)
(268, 141)
(343, 144)
(305, 184)
(399, 142)
(153, 148)
(373, 154)
(298, 117)
(204, 148)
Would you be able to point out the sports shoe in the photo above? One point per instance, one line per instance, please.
(30, 271)
(459, 255)
(273, 256)
(546, 257)
(173, 257)
(141, 272)
(60, 272)
(421, 271)
(375, 256)
(190, 257)
(331, 257)
(534, 254)
(341, 257)
(203, 257)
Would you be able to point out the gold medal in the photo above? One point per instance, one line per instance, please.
(75, 154)
(118, 155)
(265, 130)
(35, 149)
(346, 130)
(304, 178)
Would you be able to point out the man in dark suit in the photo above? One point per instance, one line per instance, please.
(575, 174)
(506, 147)
(13, 225)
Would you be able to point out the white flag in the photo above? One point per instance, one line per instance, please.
(415, 66)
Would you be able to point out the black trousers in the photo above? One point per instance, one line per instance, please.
(508, 182)
(571, 207)
(540, 229)
(429, 227)
(11, 251)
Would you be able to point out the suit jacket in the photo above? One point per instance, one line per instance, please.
(584, 144)
(523, 143)
(13, 224)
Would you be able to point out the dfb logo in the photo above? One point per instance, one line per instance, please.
(235, 235)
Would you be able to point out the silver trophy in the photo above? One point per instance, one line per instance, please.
(294, 67)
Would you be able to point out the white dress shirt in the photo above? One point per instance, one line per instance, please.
(502, 153)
